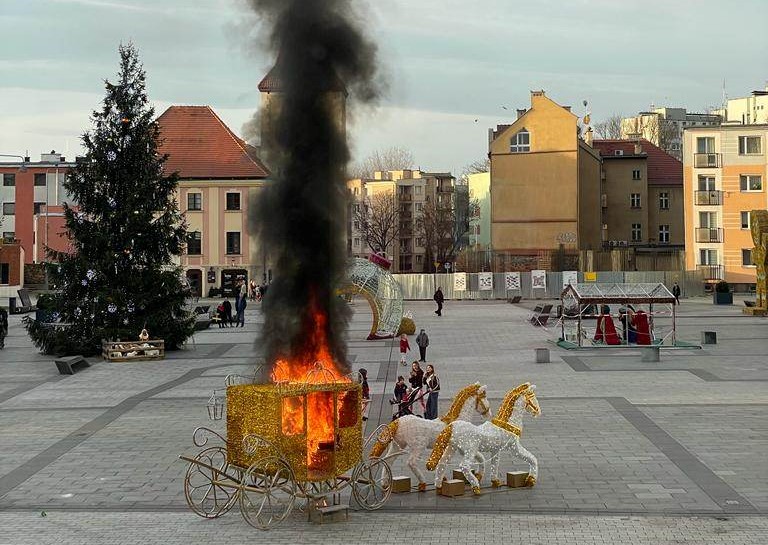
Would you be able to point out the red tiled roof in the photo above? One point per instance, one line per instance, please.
(200, 145)
(663, 168)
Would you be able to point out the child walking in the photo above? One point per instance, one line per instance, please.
(404, 348)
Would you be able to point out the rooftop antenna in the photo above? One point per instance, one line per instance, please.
(725, 96)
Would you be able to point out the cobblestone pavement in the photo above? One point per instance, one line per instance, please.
(620, 442)
(68, 528)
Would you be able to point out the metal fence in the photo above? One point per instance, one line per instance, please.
(423, 286)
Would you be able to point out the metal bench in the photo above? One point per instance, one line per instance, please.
(68, 364)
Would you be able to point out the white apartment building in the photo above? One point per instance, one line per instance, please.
(749, 110)
(664, 127)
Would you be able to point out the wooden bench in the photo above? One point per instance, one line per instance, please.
(68, 364)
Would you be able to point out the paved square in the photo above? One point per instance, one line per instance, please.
(629, 451)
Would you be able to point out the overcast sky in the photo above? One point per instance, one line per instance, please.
(450, 65)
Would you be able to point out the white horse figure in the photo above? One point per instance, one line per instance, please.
(501, 433)
(415, 434)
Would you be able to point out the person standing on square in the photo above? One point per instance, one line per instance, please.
(404, 348)
(676, 293)
(432, 384)
(439, 298)
(422, 341)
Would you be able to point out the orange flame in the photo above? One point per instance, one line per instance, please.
(303, 369)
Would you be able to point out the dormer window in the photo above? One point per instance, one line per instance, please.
(520, 142)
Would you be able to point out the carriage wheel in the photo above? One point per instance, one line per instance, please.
(204, 497)
(372, 483)
(268, 492)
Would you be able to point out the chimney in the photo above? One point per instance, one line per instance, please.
(638, 148)
(521, 112)
(588, 136)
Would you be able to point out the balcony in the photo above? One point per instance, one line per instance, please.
(405, 196)
(709, 234)
(706, 160)
(445, 188)
(709, 197)
(711, 272)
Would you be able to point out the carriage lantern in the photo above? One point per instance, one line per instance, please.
(215, 406)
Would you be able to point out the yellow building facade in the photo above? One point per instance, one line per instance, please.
(545, 182)
(725, 171)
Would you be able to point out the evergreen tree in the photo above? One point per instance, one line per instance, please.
(125, 229)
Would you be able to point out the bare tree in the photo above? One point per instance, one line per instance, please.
(378, 220)
(394, 158)
(610, 128)
(443, 224)
(475, 167)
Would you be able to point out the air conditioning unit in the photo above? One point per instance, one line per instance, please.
(604, 200)
(613, 242)
(605, 227)
(622, 243)
(618, 152)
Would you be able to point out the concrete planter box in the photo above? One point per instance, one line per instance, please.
(719, 298)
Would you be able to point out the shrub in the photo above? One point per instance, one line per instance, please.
(722, 287)
(407, 326)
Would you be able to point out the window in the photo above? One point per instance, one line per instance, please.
(5, 273)
(663, 201)
(37, 207)
(705, 144)
(194, 243)
(637, 232)
(749, 145)
(520, 142)
(745, 220)
(9, 180)
(357, 225)
(40, 179)
(418, 259)
(708, 257)
(356, 242)
(420, 241)
(233, 242)
(355, 191)
(9, 208)
(419, 190)
(750, 182)
(746, 257)
(706, 183)
(233, 201)
(707, 220)
(356, 208)
(194, 201)
(634, 200)
(635, 174)
(9, 235)
(664, 234)
(419, 207)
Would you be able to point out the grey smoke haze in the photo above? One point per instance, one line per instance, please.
(301, 217)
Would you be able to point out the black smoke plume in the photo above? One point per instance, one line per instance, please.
(320, 47)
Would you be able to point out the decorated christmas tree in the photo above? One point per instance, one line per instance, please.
(119, 276)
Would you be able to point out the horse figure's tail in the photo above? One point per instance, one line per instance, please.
(384, 439)
(441, 443)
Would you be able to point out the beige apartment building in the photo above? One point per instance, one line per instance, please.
(411, 190)
(545, 186)
(642, 199)
(725, 171)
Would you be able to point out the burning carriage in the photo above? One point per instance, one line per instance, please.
(287, 441)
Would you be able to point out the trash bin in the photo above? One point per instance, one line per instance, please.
(11, 305)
